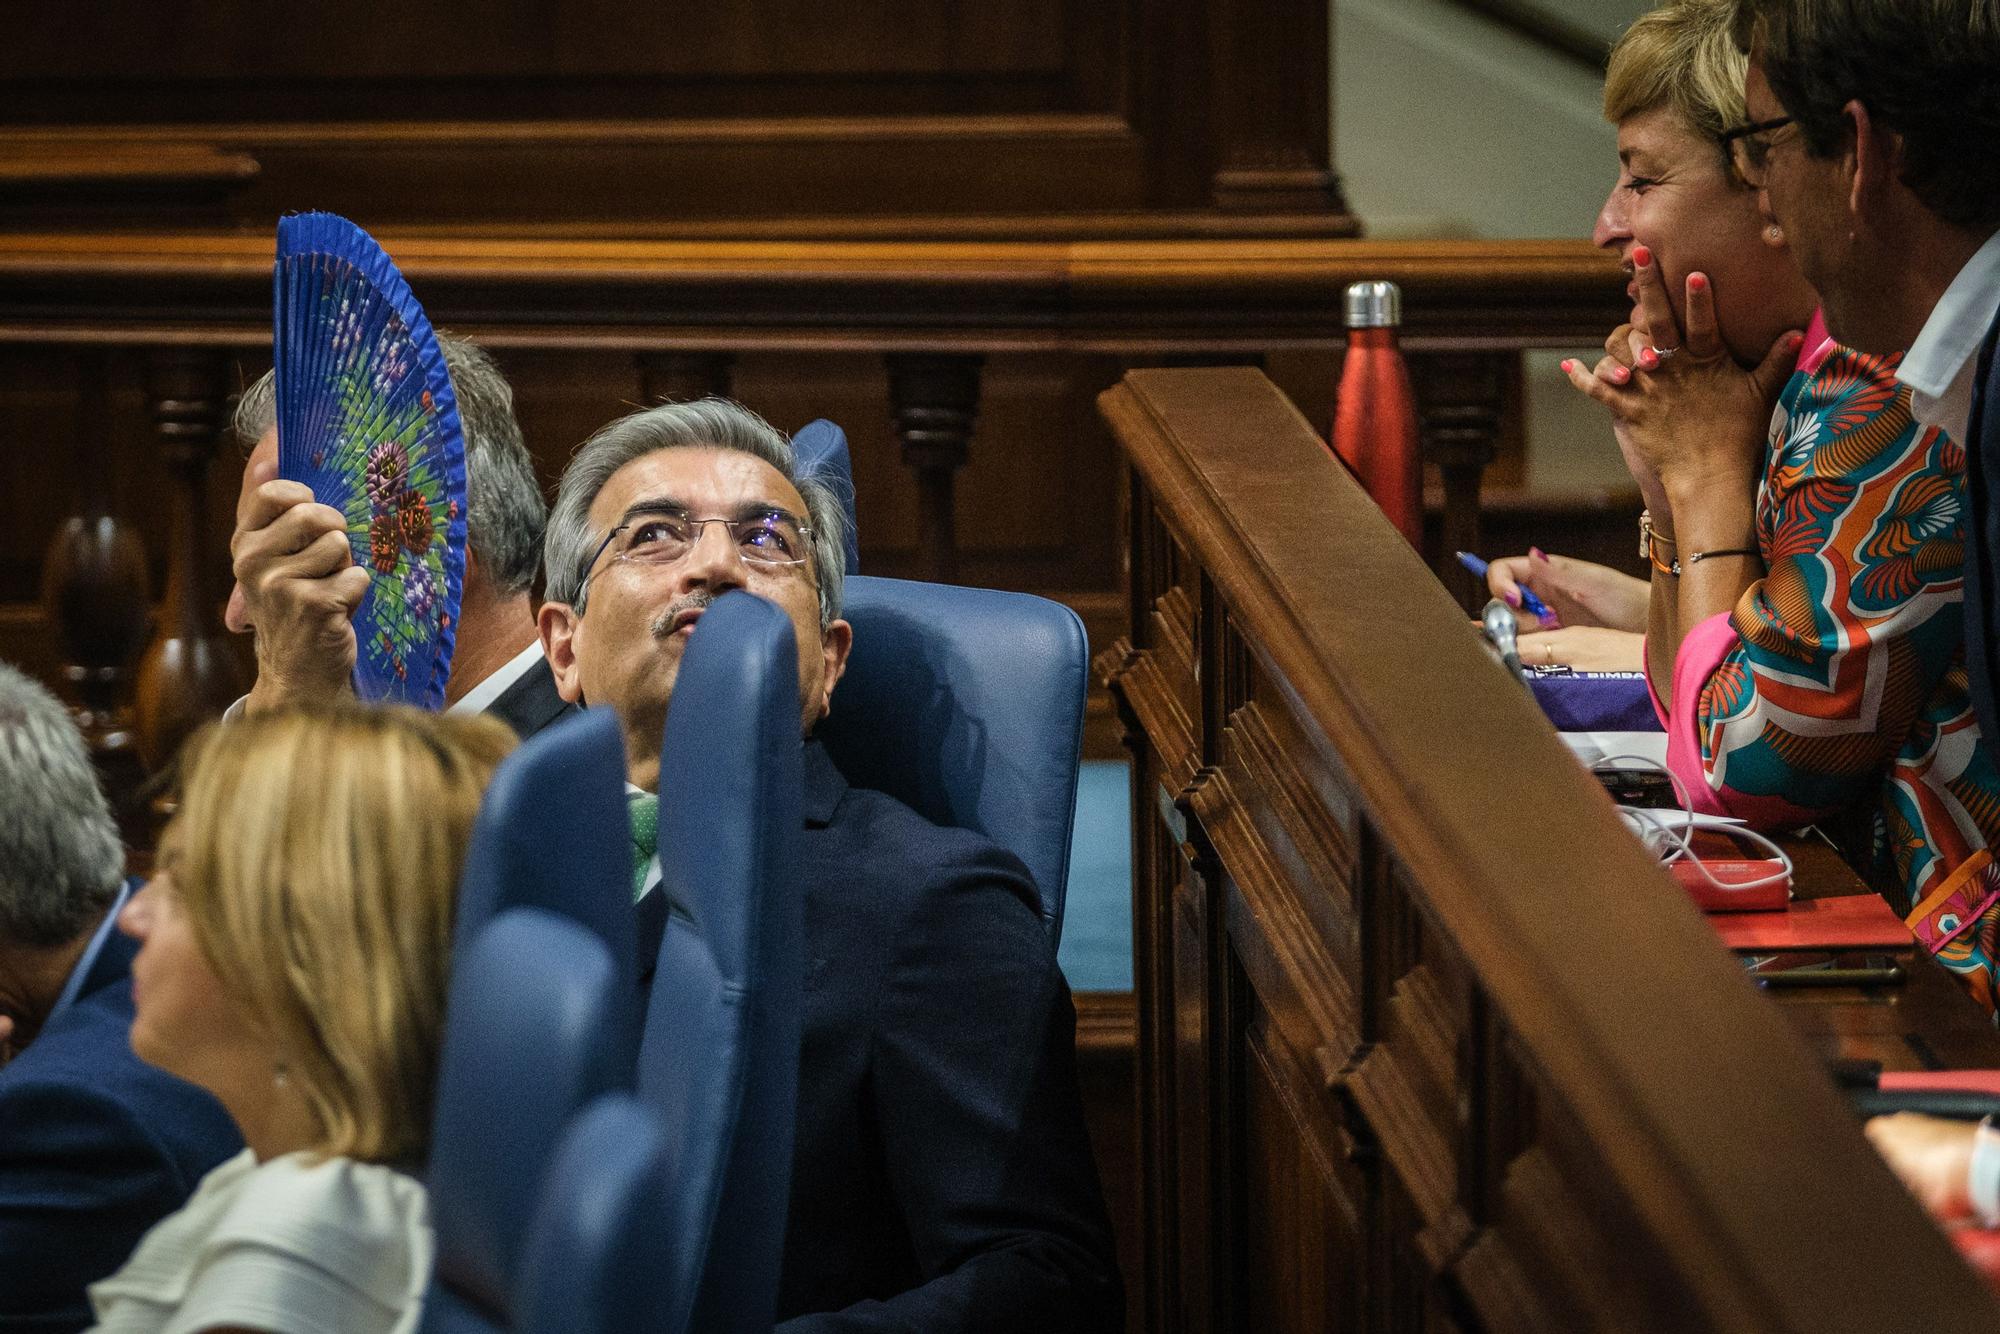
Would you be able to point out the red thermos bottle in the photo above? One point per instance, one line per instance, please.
(1375, 415)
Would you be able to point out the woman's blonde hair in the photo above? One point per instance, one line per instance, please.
(1682, 55)
(317, 856)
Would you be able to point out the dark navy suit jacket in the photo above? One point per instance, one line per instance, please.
(942, 1179)
(1982, 563)
(95, 1147)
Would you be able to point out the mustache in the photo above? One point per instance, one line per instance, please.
(663, 624)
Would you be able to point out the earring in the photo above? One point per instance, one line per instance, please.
(1774, 234)
(281, 1074)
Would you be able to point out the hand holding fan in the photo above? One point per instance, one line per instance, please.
(366, 418)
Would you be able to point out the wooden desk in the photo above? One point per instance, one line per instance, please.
(1925, 1022)
(1403, 1062)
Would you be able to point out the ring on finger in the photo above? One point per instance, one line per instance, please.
(1662, 352)
(1548, 655)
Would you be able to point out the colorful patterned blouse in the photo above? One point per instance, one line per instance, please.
(1841, 673)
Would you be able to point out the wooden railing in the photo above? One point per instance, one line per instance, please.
(1426, 1040)
(172, 321)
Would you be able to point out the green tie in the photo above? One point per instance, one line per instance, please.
(645, 808)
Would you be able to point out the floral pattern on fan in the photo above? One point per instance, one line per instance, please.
(367, 420)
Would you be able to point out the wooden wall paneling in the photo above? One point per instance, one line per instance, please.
(935, 399)
(95, 598)
(1538, 1143)
(1462, 401)
(679, 376)
(189, 673)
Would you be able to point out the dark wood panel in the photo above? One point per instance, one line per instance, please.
(1547, 1128)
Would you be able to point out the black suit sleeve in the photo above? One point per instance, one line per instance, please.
(973, 1084)
(80, 1182)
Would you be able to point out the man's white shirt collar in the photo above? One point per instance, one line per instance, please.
(477, 699)
(1939, 366)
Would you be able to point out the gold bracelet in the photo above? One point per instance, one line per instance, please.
(1725, 551)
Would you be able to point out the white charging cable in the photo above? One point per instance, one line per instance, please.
(1667, 833)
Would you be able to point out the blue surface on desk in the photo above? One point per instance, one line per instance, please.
(1096, 951)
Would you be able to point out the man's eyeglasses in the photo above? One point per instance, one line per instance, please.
(773, 538)
(1749, 146)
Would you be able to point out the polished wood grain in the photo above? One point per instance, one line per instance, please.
(1426, 1040)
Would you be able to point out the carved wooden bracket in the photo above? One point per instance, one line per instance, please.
(934, 399)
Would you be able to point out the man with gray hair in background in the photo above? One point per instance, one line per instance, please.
(298, 584)
(95, 1145)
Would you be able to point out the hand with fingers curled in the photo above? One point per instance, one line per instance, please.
(1581, 593)
(299, 587)
(1686, 414)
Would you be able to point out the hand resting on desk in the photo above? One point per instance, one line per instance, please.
(1588, 648)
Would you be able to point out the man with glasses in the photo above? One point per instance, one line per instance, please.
(942, 1179)
(1874, 137)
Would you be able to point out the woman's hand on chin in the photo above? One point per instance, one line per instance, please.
(1689, 419)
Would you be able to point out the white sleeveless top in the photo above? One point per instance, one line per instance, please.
(300, 1244)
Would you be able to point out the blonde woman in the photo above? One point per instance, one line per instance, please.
(293, 954)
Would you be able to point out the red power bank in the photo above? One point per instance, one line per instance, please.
(1731, 872)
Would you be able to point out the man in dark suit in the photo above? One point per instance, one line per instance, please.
(1874, 135)
(95, 1145)
(942, 1179)
(298, 585)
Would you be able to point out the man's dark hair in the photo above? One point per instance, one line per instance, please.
(1928, 70)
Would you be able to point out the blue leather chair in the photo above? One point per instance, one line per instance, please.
(719, 1056)
(601, 1235)
(532, 1034)
(553, 833)
(967, 705)
(820, 449)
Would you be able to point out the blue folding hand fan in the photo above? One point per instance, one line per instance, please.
(366, 419)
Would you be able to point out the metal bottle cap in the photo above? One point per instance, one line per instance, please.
(1375, 305)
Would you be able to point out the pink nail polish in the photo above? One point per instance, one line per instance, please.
(1620, 375)
(1641, 256)
(1514, 598)
(1697, 282)
(1538, 554)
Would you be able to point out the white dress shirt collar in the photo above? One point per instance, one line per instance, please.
(477, 699)
(1939, 366)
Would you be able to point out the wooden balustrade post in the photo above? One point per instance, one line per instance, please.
(95, 596)
(934, 399)
(679, 377)
(1461, 402)
(190, 673)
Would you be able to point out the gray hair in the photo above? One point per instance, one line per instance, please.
(60, 857)
(709, 423)
(504, 510)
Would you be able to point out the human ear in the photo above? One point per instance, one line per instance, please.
(557, 624)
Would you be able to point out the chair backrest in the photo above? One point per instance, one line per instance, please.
(553, 833)
(534, 1030)
(820, 451)
(601, 1235)
(720, 1052)
(967, 705)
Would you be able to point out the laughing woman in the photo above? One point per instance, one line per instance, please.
(1803, 635)
(292, 961)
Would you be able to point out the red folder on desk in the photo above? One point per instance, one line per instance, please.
(1949, 1081)
(1850, 922)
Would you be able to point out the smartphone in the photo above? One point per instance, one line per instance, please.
(1650, 788)
(1822, 968)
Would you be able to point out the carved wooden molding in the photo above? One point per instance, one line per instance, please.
(1562, 1106)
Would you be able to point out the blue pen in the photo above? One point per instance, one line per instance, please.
(1529, 602)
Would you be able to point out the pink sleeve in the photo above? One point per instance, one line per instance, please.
(1702, 654)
